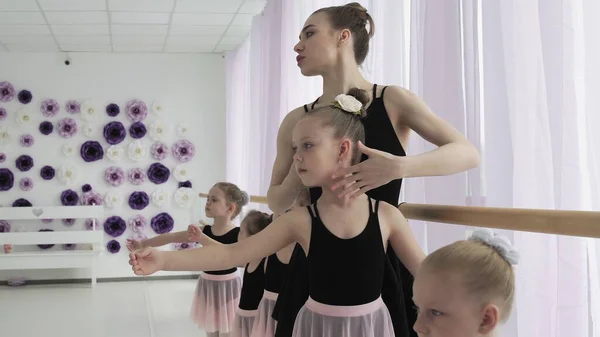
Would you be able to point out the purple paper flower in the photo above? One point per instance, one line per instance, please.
(137, 110)
(137, 130)
(26, 140)
(7, 179)
(7, 92)
(69, 246)
(136, 176)
(86, 188)
(112, 110)
(69, 198)
(26, 183)
(3, 113)
(137, 223)
(4, 226)
(24, 163)
(46, 128)
(25, 96)
(50, 108)
(21, 202)
(138, 200)
(186, 183)
(158, 173)
(183, 150)
(113, 246)
(91, 198)
(73, 107)
(159, 151)
(67, 127)
(68, 222)
(47, 172)
(114, 132)
(89, 224)
(184, 245)
(47, 220)
(2, 157)
(91, 151)
(46, 246)
(162, 223)
(115, 226)
(114, 176)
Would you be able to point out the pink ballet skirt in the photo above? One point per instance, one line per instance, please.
(216, 301)
(243, 323)
(264, 324)
(323, 320)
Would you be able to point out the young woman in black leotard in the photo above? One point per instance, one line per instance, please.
(333, 43)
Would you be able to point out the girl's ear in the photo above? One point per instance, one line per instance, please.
(345, 149)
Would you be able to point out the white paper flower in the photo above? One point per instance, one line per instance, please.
(68, 150)
(137, 150)
(182, 131)
(113, 199)
(157, 130)
(160, 197)
(115, 152)
(5, 136)
(185, 197)
(348, 103)
(157, 108)
(181, 172)
(89, 111)
(24, 118)
(67, 174)
(88, 130)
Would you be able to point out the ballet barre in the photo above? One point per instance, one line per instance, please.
(570, 223)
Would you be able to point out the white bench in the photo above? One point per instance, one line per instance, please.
(53, 259)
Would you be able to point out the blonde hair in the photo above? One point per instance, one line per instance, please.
(234, 195)
(484, 266)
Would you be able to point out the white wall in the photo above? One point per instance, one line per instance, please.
(191, 88)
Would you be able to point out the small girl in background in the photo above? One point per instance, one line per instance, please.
(466, 289)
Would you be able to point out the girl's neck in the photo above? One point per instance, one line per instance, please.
(221, 222)
(330, 197)
(342, 78)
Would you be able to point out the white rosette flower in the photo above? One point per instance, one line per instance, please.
(181, 172)
(68, 150)
(185, 197)
(88, 130)
(89, 111)
(348, 103)
(115, 152)
(137, 150)
(160, 197)
(113, 199)
(182, 131)
(67, 174)
(157, 108)
(157, 130)
(5, 135)
(24, 117)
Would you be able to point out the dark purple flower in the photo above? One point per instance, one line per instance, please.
(50, 107)
(159, 151)
(136, 176)
(47, 220)
(7, 179)
(137, 130)
(186, 183)
(4, 226)
(7, 92)
(25, 96)
(136, 110)
(184, 245)
(115, 226)
(162, 223)
(114, 176)
(46, 128)
(2, 157)
(3, 113)
(67, 127)
(47, 172)
(91, 151)
(112, 110)
(24, 163)
(68, 222)
(69, 246)
(69, 198)
(158, 173)
(21, 202)
(138, 200)
(86, 188)
(91, 198)
(89, 224)
(137, 223)
(183, 150)
(26, 140)
(73, 107)
(46, 246)
(114, 133)
(113, 246)
(26, 183)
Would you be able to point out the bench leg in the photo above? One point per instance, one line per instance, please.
(94, 266)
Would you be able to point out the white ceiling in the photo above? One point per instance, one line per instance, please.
(189, 26)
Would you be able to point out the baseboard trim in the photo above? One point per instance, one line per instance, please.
(108, 279)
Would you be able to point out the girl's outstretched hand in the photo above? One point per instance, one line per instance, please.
(146, 261)
(134, 245)
(194, 233)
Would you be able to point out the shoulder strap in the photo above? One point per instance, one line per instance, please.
(383, 91)
(315, 102)
(310, 211)
(305, 108)
(374, 91)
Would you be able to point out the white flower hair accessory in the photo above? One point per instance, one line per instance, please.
(499, 243)
(348, 103)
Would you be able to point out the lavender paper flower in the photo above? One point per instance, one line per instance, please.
(138, 200)
(25, 96)
(184, 245)
(47, 172)
(115, 226)
(89, 224)
(7, 179)
(112, 110)
(183, 150)
(50, 108)
(114, 133)
(73, 107)
(91, 151)
(158, 173)
(91, 198)
(46, 246)
(137, 110)
(69, 198)
(138, 236)
(69, 246)
(113, 246)
(4, 226)
(3, 114)
(67, 127)
(162, 223)
(186, 183)
(47, 220)
(159, 151)
(21, 202)
(46, 128)
(7, 92)
(137, 223)
(68, 222)
(114, 176)
(136, 176)
(137, 130)
(26, 140)
(86, 188)
(26, 184)
(24, 163)
(2, 157)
